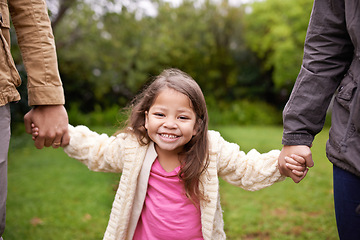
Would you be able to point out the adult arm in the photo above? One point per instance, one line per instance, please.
(45, 91)
(328, 52)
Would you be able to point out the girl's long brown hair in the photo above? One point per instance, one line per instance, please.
(195, 156)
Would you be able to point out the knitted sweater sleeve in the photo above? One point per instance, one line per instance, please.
(98, 152)
(251, 171)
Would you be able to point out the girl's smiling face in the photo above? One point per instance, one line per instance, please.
(170, 121)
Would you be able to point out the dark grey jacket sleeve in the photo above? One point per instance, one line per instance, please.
(328, 53)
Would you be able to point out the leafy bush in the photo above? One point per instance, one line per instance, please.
(112, 116)
(244, 112)
(239, 113)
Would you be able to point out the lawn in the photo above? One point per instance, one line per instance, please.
(53, 197)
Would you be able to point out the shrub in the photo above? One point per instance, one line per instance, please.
(239, 113)
(244, 112)
(112, 116)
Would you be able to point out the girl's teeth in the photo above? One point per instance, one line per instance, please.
(168, 136)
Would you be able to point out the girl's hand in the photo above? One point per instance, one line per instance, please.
(296, 164)
(34, 131)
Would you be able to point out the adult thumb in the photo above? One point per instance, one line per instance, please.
(28, 122)
(309, 161)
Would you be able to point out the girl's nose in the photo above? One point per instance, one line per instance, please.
(170, 123)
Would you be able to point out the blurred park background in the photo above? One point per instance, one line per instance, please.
(245, 55)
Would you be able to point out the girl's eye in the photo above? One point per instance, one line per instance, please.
(183, 117)
(159, 114)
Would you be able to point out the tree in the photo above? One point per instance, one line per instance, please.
(275, 30)
(106, 58)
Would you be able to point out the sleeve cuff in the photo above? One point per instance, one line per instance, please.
(292, 139)
(53, 95)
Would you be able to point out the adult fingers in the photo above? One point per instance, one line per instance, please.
(61, 138)
(28, 122)
(305, 152)
(49, 139)
(65, 139)
(39, 141)
(309, 161)
(57, 141)
(45, 137)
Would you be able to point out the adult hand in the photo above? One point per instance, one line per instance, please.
(52, 121)
(301, 150)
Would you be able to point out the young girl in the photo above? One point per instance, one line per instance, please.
(170, 164)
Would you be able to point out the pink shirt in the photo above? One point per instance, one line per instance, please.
(167, 213)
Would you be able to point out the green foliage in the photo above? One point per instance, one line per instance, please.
(275, 30)
(112, 116)
(239, 113)
(106, 57)
(243, 113)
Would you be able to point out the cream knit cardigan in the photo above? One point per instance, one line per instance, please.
(123, 154)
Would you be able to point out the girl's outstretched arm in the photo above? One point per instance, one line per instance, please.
(97, 151)
(251, 171)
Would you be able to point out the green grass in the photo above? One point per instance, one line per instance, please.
(53, 197)
(285, 210)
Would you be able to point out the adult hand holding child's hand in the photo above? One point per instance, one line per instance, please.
(300, 150)
(52, 123)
